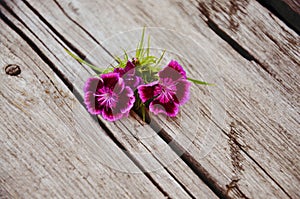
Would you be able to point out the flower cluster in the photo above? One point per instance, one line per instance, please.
(112, 94)
(137, 84)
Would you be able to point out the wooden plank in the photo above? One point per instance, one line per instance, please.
(237, 81)
(223, 165)
(252, 79)
(288, 10)
(294, 5)
(267, 39)
(176, 179)
(43, 153)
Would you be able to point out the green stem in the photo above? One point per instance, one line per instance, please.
(144, 112)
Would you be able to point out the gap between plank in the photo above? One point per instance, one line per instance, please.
(284, 12)
(70, 87)
(235, 45)
(244, 53)
(187, 158)
(196, 167)
(177, 148)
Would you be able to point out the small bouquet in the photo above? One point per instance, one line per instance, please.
(139, 84)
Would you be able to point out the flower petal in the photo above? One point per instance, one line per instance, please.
(90, 102)
(182, 91)
(132, 81)
(120, 71)
(110, 115)
(126, 100)
(129, 68)
(147, 91)
(92, 84)
(173, 70)
(175, 65)
(110, 80)
(170, 108)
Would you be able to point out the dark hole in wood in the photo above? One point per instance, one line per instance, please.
(13, 70)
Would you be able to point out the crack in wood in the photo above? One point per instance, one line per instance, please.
(235, 45)
(33, 45)
(235, 154)
(236, 161)
(196, 167)
(214, 27)
(249, 156)
(70, 86)
(233, 181)
(286, 10)
(82, 28)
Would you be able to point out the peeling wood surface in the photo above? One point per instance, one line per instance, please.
(244, 138)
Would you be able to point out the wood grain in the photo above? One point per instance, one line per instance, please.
(249, 88)
(294, 4)
(273, 45)
(175, 180)
(43, 153)
(287, 10)
(245, 144)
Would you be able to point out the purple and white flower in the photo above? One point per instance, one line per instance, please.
(108, 96)
(169, 92)
(129, 75)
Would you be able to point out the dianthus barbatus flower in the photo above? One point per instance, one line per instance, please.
(169, 92)
(129, 76)
(108, 96)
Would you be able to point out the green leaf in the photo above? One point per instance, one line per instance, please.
(95, 68)
(139, 49)
(200, 82)
(148, 48)
(161, 57)
(125, 55)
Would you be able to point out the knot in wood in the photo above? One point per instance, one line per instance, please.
(13, 70)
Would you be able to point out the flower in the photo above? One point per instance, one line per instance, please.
(108, 96)
(169, 92)
(129, 76)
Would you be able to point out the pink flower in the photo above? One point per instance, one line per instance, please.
(129, 75)
(108, 96)
(169, 92)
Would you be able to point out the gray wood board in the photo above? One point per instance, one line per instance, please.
(43, 153)
(173, 178)
(241, 84)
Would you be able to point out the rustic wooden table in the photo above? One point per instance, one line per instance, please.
(238, 139)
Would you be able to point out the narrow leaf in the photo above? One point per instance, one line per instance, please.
(139, 51)
(148, 48)
(200, 82)
(95, 68)
(161, 57)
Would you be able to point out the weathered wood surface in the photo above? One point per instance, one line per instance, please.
(252, 104)
(42, 154)
(165, 179)
(288, 11)
(266, 39)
